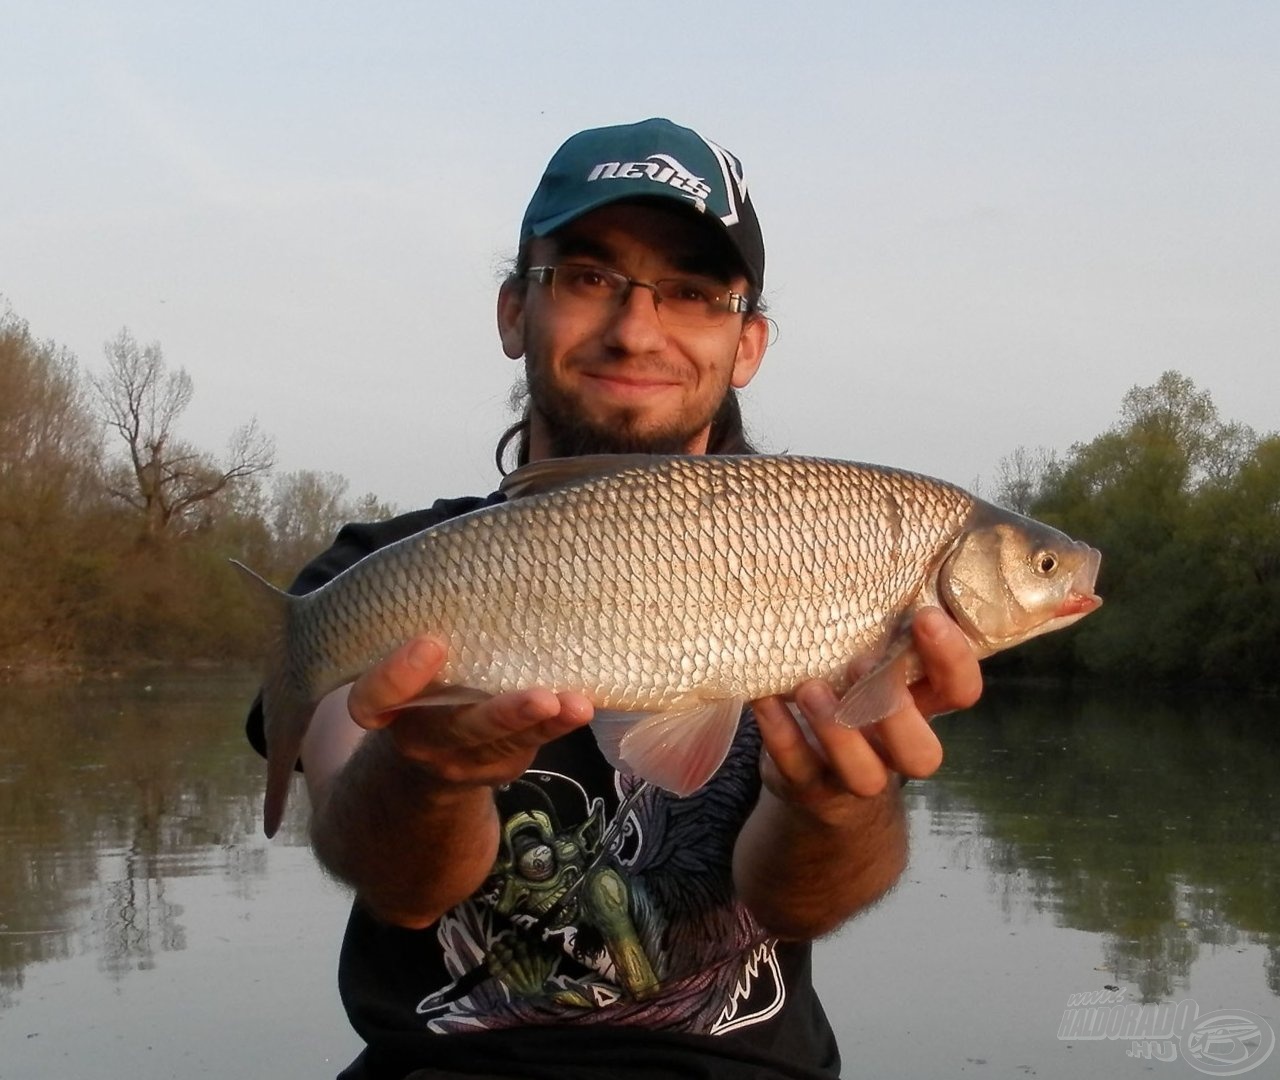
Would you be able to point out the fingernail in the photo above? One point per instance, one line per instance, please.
(932, 624)
(814, 697)
(423, 655)
(533, 710)
(578, 709)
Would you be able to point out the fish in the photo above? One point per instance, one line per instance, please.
(673, 589)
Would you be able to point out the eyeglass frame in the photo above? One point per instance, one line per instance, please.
(734, 303)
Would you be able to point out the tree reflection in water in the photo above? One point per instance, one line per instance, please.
(1151, 823)
(108, 791)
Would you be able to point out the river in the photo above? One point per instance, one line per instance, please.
(1079, 862)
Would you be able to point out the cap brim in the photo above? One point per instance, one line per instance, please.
(557, 221)
(673, 200)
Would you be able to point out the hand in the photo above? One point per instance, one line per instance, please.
(847, 762)
(401, 795)
(486, 744)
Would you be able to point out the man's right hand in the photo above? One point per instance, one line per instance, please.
(402, 794)
(489, 743)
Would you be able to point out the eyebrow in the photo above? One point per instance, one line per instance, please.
(571, 245)
(575, 245)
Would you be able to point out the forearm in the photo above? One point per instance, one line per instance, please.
(410, 845)
(829, 834)
(802, 871)
(402, 803)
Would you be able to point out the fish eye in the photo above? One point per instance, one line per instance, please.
(1045, 562)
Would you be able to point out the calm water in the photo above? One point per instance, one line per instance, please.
(1069, 845)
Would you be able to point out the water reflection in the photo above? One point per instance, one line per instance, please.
(109, 792)
(1151, 823)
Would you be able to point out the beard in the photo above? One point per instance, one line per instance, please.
(572, 434)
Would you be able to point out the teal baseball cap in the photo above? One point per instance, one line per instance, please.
(654, 159)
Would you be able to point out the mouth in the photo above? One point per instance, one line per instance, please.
(630, 378)
(1083, 598)
(629, 386)
(1078, 604)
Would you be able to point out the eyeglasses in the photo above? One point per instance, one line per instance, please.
(682, 301)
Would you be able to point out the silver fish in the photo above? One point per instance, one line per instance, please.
(671, 591)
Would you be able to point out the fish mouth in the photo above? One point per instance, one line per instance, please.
(1083, 597)
(1078, 603)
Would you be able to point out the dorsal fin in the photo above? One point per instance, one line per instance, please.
(553, 474)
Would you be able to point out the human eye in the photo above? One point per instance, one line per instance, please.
(585, 280)
(691, 292)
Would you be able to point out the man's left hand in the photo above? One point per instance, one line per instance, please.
(860, 762)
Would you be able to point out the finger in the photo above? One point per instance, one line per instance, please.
(850, 757)
(909, 745)
(953, 679)
(861, 665)
(795, 762)
(576, 708)
(503, 724)
(395, 680)
(525, 717)
(503, 719)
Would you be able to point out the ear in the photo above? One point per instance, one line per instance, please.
(752, 343)
(511, 298)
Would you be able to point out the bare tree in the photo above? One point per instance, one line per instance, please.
(1020, 478)
(167, 480)
(308, 508)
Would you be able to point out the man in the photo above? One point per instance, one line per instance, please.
(521, 909)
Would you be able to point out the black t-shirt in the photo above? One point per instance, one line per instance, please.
(606, 942)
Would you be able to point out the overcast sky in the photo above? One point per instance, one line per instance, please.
(984, 221)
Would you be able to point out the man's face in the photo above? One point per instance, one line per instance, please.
(619, 379)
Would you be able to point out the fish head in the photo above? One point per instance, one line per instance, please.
(1009, 578)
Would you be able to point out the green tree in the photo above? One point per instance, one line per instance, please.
(1177, 500)
(1238, 525)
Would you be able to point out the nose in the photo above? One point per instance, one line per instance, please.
(635, 325)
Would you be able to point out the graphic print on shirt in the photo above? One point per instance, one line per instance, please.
(614, 907)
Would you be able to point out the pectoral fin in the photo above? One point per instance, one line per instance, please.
(678, 750)
(435, 697)
(883, 690)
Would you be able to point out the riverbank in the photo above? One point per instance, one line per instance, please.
(48, 672)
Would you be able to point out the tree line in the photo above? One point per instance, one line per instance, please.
(115, 531)
(1185, 507)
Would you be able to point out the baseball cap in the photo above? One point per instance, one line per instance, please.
(654, 159)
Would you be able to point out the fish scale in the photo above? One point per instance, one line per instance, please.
(654, 584)
(684, 594)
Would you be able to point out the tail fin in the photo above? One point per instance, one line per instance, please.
(286, 703)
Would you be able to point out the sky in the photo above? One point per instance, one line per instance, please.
(985, 222)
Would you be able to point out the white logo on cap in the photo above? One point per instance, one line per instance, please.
(660, 168)
(734, 181)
